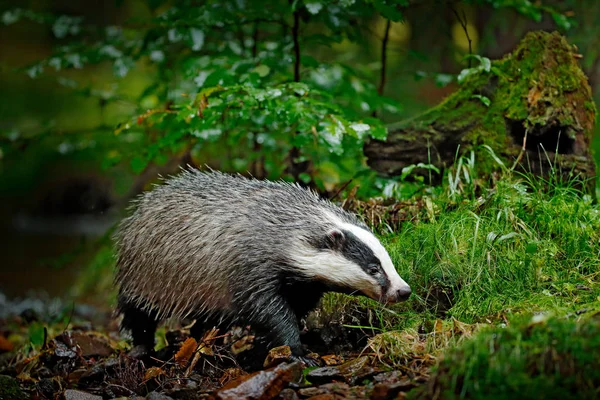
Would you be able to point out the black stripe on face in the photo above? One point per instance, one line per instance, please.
(357, 251)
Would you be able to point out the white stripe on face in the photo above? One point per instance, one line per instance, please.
(331, 267)
(397, 284)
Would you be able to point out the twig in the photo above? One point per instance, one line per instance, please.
(45, 338)
(70, 318)
(294, 153)
(384, 42)
(344, 186)
(258, 165)
(463, 22)
(131, 392)
(523, 148)
(295, 29)
(255, 41)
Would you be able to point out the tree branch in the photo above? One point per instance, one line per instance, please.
(463, 22)
(295, 29)
(384, 42)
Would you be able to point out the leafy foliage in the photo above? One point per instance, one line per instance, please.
(250, 80)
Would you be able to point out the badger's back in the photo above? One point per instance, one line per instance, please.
(201, 241)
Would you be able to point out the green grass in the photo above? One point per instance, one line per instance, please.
(505, 255)
(510, 249)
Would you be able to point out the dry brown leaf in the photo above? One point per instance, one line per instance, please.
(153, 372)
(332, 359)
(185, 351)
(5, 344)
(231, 374)
(463, 329)
(205, 347)
(244, 344)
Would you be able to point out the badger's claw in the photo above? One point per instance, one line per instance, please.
(306, 361)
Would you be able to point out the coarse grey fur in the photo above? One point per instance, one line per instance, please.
(214, 246)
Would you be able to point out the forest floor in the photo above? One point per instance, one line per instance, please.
(506, 304)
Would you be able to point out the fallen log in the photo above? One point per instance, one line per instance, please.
(533, 107)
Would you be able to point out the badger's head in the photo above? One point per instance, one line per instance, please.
(351, 258)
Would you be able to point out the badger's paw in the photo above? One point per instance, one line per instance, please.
(140, 352)
(310, 360)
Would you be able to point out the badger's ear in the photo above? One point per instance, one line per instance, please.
(334, 239)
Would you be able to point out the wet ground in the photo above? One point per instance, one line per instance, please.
(81, 355)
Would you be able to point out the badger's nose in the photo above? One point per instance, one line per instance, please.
(404, 293)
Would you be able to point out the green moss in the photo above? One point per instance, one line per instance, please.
(9, 389)
(546, 83)
(539, 84)
(555, 358)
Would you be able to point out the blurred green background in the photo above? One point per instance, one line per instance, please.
(65, 175)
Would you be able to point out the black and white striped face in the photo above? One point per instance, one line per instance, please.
(352, 257)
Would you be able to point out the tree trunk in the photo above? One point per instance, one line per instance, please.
(540, 117)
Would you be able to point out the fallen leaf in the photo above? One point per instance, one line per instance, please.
(277, 355)
(185, 351)
(332, 359)
(5, 344)
(152, 373)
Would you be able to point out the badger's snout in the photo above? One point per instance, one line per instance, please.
(398, 295)
(398, 291)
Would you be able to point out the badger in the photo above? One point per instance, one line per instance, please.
(226, 249)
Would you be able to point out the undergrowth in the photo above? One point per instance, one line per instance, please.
(551, 357)
(509, 250)
(488, 263)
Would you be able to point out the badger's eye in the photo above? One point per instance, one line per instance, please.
(373, 269)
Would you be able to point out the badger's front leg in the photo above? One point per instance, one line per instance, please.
(274, 315)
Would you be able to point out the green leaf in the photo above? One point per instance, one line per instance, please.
(442, 80)
(561, 20)
(485, 100)
(36, 334)
(262, 70)
(138, 164)
(465, 73)
(314, 7)
(531, 248)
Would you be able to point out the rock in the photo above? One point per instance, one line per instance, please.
(48, 387)
(324, 396)
(189, 390)
(9, 389)
(90, 345)
(350, 371)
(288, 394)
(388, 377)
(335, 389)
(384, 391)
(310, 391)
(93, 376)
(324, 375)
(63, 351)
(263, 385)
(71, 394)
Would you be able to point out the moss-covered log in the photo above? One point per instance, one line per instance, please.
(540, 117)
